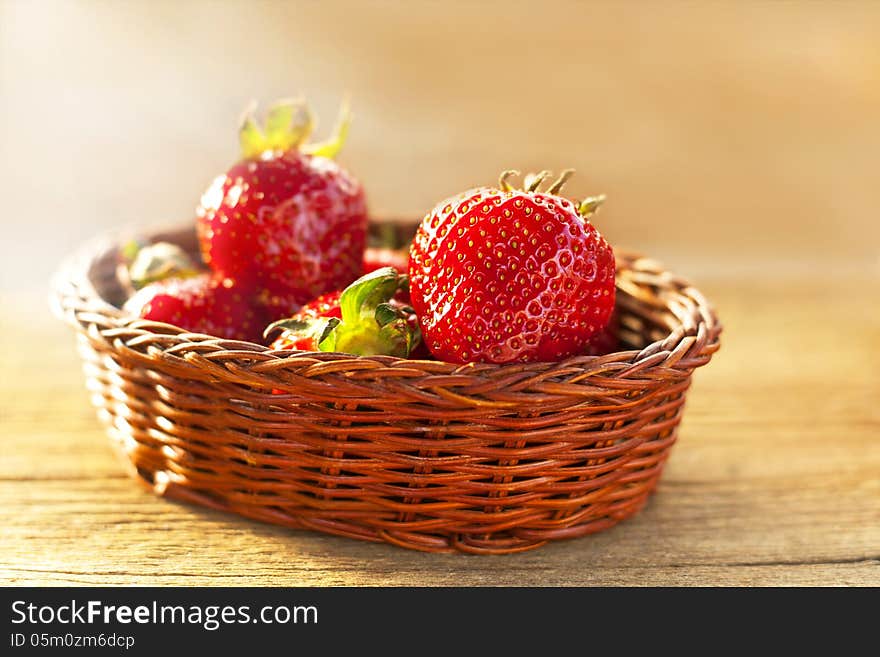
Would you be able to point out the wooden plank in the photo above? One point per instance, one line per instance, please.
(847, 574)
(105, 530)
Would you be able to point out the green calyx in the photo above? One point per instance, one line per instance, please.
(532, 183)
(155, 262)
(316, 329)
(288, 124)
(371, 323)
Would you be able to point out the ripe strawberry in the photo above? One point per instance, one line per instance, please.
(363, 319)
(504, 275)
(606, 340)
(202, 304)
(374, 258)
(286, 219)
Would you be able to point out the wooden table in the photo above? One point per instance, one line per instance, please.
(775, 479)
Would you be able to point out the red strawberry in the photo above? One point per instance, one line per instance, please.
(202, 304)
(286, 218)
(374, 258)
(363, 319)
(606, 340)
(504, 275)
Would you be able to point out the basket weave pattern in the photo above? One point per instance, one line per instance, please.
(427, 455)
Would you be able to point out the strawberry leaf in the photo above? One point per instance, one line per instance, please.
(318, 329)
(589, 205)
(360, 299)
(386, 313)
(288, 124)
(370, 324)
(159, 261)
(250, 137)
(334, 144)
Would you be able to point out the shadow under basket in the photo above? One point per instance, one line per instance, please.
(427, 455)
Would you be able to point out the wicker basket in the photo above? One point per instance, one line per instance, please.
(422, 454)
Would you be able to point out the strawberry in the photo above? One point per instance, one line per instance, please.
(206, 303)
(374, 258)
(501, 275)
(286, 219)
(363, 319)
(606, 340)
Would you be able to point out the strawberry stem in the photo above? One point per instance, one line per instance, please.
(317, 329)
(370, 324)
(533, 180)
(502, 180)
(589, 205)
(556, 187)
(331, 147)
(289, 123)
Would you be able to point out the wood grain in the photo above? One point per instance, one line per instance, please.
(775, 479)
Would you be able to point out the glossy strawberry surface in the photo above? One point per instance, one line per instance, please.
(606, 340)
(507, 275)
(290, 223)
(326, 305)
(206, 303)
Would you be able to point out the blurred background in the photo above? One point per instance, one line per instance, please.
(732, 138)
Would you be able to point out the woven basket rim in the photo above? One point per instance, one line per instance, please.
(75, 300)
